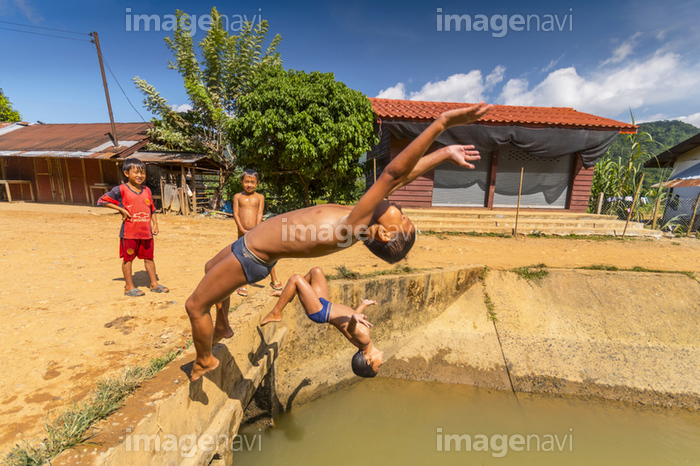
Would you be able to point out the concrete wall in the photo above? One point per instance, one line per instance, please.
(619, 335)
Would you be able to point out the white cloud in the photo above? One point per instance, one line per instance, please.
(396, 92)
(26, 9)
(181, 108)
(693, 119)
(662, 78)
(552, 64)
(623, 50)
(495, 77)
(460, 87)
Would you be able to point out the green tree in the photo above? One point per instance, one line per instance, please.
(304, 133)
(7, 113)
(214, 85)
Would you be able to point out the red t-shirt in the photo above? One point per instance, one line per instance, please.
(139, 205)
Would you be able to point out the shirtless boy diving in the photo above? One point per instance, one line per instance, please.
(321, 230)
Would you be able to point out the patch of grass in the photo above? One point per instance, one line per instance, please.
(345, 273)
(444, 234)
(490, 307)
(612, 268)
(609, 268)
(70, 427)
(484, 274)
(534, 272)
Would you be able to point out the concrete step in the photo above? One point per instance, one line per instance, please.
(438, 212)
(549, 222)
(559, 231)
(526, 223)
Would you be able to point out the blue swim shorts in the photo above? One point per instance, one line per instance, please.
(322, 316)
(254, 268)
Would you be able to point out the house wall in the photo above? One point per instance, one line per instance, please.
(580, 190)
(419, 193)
(63, 180)
(685, 161)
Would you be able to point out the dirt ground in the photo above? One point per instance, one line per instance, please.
(66, 323)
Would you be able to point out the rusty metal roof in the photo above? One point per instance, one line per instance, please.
(74, 140)
(689, 177)
(178, 158)
(499, 114)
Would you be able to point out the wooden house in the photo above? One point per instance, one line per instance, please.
(557, 149)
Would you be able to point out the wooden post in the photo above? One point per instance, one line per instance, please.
(162, 196)
(183, 185)
(194, 189)
(375, 169)
(599, 207)
(517, 211)
(491, 190)
(692, 219)
(96, 41)
(85, 183)
(634, 201)
(656, 209)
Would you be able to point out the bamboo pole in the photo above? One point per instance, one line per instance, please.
(634, 201)
(599, 206)
(517, 211)
(656, 209)
(692, 219)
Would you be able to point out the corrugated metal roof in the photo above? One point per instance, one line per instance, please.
(499, 114)
(72, 137)
(170, 157)
(687, 178)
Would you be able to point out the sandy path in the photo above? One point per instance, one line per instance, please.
(65, 321)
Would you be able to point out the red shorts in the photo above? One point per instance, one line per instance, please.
(129, 249)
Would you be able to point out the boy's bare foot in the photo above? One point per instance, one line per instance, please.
(199, 370)
(220, 334)
(271, 317)
(276, 293)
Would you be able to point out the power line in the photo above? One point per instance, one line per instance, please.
(48, 29)
(48, 35)
(120, 87)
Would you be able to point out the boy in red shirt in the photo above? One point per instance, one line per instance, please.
(134, 201)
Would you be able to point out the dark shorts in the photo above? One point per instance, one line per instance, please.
(322, 316)
(254, 268)
(130, 249)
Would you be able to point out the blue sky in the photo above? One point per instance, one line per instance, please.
(600, 57)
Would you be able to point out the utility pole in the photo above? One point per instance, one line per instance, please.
(96, 41)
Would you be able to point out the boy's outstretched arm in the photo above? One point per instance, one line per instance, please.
(402, 167)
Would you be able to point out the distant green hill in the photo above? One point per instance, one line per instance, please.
(665, 134)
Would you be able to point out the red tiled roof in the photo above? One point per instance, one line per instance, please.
(499, 114)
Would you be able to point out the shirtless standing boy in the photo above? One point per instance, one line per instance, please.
(320, 230)
(248, 207)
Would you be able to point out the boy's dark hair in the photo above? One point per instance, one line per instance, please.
(360, 366)
(250, 172)
(133, 162)
(393, 250)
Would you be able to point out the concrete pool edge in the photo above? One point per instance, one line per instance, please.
(435, 326)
